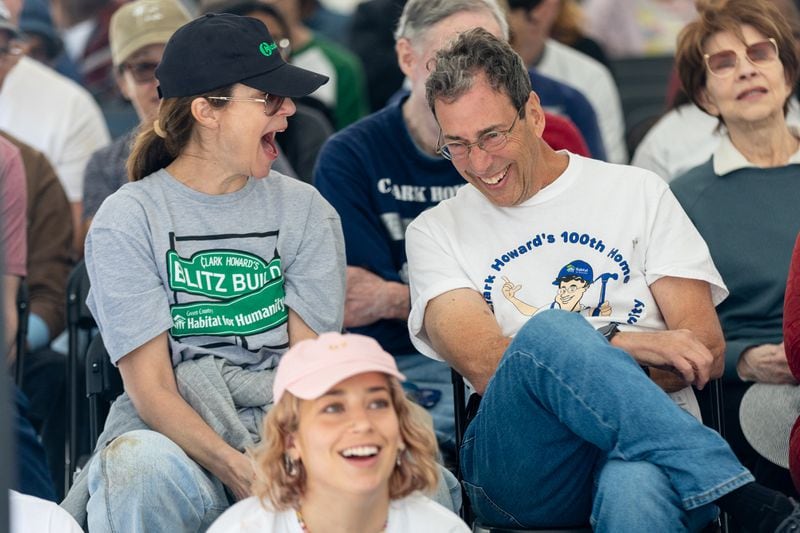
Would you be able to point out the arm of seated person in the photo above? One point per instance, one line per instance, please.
(298, 329)
(371, 298)
(464, 332)
(691, 350)
(765, 363)
(150, 382)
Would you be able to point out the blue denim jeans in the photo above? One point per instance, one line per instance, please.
(143, 482)
(425, 372)
(570, 431)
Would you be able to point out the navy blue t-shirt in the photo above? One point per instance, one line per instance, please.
(379, 181)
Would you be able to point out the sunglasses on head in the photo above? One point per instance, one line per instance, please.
(723, 64)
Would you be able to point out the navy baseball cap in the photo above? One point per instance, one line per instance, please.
(217, 50)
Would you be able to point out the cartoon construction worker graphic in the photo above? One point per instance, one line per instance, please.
(573, 281)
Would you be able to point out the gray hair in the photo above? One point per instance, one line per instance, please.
(455, 67)
(419, 15)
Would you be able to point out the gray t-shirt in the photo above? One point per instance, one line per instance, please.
(217, 272)
(105, 172)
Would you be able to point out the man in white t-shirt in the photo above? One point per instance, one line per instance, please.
(569, 418)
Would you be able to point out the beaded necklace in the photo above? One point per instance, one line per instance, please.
(305, 529)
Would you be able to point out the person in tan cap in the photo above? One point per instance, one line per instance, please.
(137, 34)
(342, 448)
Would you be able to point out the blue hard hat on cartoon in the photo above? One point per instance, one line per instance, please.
(577, 268)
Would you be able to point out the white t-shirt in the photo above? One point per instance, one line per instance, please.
(685, 138)
(597, 221)
(412, 514)
(590, 77)
(35, 515)
(56, 116)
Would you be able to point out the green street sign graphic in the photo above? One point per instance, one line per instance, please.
(247, 315)
(221, 274)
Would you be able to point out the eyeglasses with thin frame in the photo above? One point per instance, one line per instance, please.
(489, 142)
(143, 72)
(723, 64)
(272, 103)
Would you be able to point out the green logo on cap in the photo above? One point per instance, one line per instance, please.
(267, 48)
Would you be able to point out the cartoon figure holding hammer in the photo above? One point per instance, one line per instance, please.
(573, 280)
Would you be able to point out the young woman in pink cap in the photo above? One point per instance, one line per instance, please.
(343, 450)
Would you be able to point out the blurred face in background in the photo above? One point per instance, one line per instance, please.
(414, 58)
(11, 50)
(137, 80)
(530, 29)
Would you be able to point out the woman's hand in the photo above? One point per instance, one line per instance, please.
(236, 473)
(765, 363)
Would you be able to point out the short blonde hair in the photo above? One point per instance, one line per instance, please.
(273, 484)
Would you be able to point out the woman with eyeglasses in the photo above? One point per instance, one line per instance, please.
(738, 63)
(202, 276)
(343, 450)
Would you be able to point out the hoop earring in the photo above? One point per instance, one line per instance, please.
(289, 465)
(399, 460)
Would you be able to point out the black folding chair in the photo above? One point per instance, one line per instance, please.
(80, 328)
(712, 407)
(23, 311)
(103, 385)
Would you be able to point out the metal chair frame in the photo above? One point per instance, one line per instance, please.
(80, 325)
(23, 312)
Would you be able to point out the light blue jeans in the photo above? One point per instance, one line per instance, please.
(425, 372)
(142, 482)
(570, 431)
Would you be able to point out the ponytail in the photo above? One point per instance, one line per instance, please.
(159, 143)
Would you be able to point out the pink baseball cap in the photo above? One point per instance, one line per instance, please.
(311, 367)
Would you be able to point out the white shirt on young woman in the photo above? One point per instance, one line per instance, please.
(413, 514)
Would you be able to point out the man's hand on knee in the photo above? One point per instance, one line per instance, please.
(679, 352)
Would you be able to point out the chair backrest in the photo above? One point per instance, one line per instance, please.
(103, 385)
(80, 327)
(23, 311)
(643, 83)
(712, 405)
